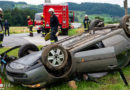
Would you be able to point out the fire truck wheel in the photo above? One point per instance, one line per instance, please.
(64, 32)
(27, 49)
(125, 24)
(38, 31)
(96, 23)
(54, 57)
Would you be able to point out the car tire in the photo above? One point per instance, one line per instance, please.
(24, 50)
(95, 23)
(125, 24)
(54, 57)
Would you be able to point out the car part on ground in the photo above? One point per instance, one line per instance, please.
(27, 49)
(5, 59)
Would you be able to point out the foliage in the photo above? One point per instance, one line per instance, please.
(98, 8)
(18, 17)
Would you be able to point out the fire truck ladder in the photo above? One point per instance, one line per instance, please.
(64, 16)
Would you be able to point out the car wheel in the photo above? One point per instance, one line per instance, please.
(96, 23)
(54, 57)
(125, 24)
(27, 49)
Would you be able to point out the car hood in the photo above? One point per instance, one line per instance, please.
(29, 59)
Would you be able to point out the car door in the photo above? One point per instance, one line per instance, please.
(96, 60)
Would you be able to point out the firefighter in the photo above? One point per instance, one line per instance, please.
(86, 23)
(54, 23)
(1, 28)
(43, 25)
(30, 26)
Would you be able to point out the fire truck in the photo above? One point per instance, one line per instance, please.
(62, 12)
(65, 17)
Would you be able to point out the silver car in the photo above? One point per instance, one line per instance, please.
(107, 49)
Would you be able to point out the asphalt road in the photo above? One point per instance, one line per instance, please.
(20, 39)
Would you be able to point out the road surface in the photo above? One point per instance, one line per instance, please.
(20, 39)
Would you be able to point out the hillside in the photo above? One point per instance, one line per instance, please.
(11, 5)
(89, 8)
(98, 8)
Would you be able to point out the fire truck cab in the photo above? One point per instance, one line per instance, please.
(37, 22)
(62, 12)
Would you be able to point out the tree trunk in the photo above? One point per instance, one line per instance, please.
(47, 1)
(126, 7)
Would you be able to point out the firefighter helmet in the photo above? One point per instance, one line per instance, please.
(51, 10)
(1, 9)
(28, 17)
(86, 15)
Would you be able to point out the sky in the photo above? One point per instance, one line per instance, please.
(36, 2)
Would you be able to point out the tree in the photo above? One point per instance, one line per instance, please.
(126, 7)
(18, 17)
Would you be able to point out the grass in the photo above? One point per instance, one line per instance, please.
(75, 31)
(17, 30)
(110, 82)
(79, 16)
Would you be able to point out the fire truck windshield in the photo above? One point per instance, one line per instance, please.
(38, 16)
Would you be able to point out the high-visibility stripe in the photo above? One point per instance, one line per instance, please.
(52, 41)
(1, 42)
(1, 32)
(30, 25)
(43, 33)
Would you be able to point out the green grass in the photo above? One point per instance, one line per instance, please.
(110, 82)
(79, 16)
(20, 29)
(72, 32)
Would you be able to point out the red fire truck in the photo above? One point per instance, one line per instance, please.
(65, 16)
(62, 12)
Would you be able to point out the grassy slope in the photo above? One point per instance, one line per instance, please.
(107, 18)
(110, 82)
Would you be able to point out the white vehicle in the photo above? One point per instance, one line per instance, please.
(38, 21)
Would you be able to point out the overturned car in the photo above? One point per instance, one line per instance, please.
(107, 49)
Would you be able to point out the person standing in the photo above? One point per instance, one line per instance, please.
(54, 23)
(30, 26)
(6, 25)
(43, 25)
(86, 23)
(1, 28)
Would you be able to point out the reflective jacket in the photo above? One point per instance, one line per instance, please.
(86, 23)
(1, 25)
(42, 22)
(30, 22)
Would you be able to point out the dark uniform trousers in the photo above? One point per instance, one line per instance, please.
(53, 34)
(7, 29)
(1, 34)
(30, 30)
